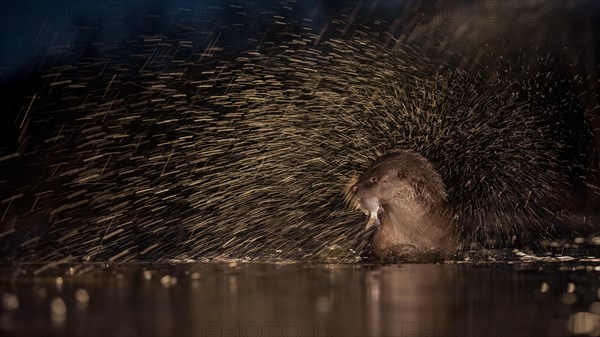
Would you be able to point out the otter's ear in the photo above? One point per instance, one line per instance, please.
(401, 175)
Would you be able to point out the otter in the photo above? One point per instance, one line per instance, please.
(405, 200)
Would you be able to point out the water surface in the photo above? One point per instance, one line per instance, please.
(254, 299)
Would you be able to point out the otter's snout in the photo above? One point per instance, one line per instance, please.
(369, 205)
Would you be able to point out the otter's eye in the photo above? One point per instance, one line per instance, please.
(374, 180)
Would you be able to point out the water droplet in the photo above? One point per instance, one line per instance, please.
(569, 299)
(82, 296)
(584, 323)
(323, 304)
(10, 302)
(58, 306)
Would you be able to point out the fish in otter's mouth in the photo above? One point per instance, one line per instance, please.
(370, 206)
(372, 209)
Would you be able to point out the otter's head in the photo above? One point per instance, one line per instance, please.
(400, 180)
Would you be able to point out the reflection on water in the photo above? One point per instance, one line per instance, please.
(302, 300)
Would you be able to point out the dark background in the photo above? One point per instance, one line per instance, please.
(557, 36)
